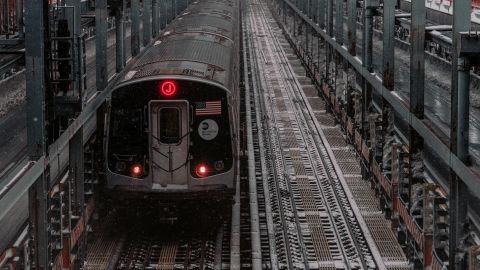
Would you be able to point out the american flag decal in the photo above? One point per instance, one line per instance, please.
(208, 108)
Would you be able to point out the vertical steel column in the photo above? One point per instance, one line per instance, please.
(388, 43)
(36, 55)
(352, 27)
(174, 10)
(328, 49)
(330, 17)
(321, 13)
(463, 107)
(101, 43)
(147, 23)
(19, 11)
(135, 28)
(417, 81)
(309, 8)
(388, 65)
(458, 190)
(36, 76)
(314, 12)
(77, 31)
(163, 16)
(339, 22)
(77, 172)
(119, 40)
(367, 63)
(155, 18)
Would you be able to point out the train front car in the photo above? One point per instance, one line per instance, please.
(173, 120)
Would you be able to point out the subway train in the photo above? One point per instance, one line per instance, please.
(172, 124)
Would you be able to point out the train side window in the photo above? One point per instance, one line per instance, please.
(170, 125)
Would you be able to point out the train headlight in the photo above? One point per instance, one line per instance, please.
(136, 170)
(201, 170)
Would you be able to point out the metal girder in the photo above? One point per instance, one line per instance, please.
(398, 105)
(77, 31)
(162, 16)
(368, 12)
(352, 27)
(330, 17)
(147, 24)
(388, 63)
(321, 13)
(155, 22)
(101, 44)
(36, 87)
(119, 39)
(76, 165)
(314, 12)
(36, 74)
(458, 189)
(416, 101)
(20, 22)
(388, 55)
(135, 28)
(339, 21)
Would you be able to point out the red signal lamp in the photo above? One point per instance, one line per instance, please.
(201, 170)
(168, 88)
(136, 170)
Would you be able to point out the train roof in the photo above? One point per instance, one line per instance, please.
(201, 43)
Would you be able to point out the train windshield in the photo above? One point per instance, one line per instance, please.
(127, 129)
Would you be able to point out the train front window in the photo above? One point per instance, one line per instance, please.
(128, 131)
(170, 123)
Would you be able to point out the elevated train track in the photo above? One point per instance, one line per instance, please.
(302, 201)
(301, 190)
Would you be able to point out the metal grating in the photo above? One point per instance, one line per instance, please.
(325, 119)
(316, 103)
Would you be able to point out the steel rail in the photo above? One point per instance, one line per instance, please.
(252, 186)
(261, 110)
(261, 156)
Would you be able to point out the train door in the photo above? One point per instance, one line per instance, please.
(169, 142)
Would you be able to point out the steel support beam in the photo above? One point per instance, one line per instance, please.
(155, 21)
(388, 43)
(147, 21)
(464, 68)
(120, 58)
(163, 14)
(388, 66)
(20, 25)
(135, 28)
(314, 5)
(36, 76)
(367, 63)
(352, 27)
(101, 44)
(36, 55)
(77, 31)
(76, 162)
(321, 13)
(339, 21)
(417, 84)
(458, 190)
(173, 12)
(330, 17)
